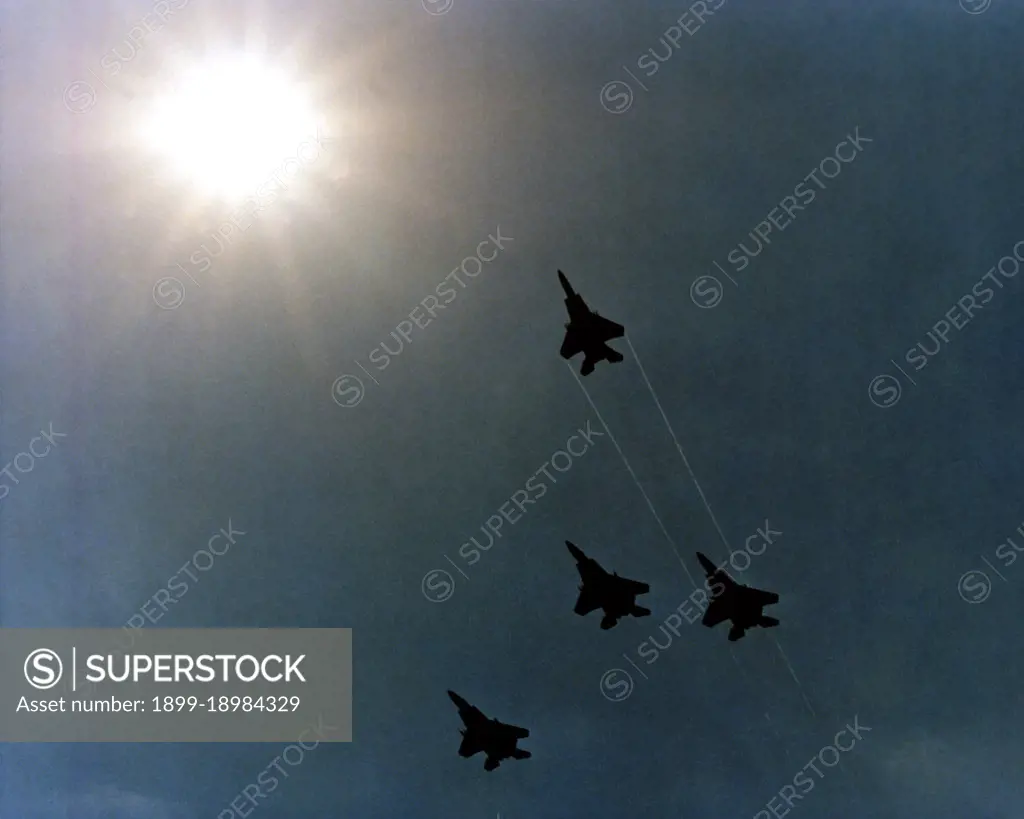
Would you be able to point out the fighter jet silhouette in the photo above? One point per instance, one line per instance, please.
(586, 331)
(742, 605)
(600, 590)
(496, 739)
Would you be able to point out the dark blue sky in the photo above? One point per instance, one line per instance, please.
(451, 125)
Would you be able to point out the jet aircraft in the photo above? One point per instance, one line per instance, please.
(600, 590)
(496, 739)
(742, 605)
(587, 331)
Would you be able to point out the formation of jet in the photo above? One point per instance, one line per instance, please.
(587, 332)
(495, 739)
(615, 595)
(742, 605)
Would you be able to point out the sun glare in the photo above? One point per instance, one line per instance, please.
(226, 125)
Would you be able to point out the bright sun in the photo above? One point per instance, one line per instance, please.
(229, 123)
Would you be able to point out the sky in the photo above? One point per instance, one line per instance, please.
(789, 383)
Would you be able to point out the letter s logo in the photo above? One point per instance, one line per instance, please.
(39, 671)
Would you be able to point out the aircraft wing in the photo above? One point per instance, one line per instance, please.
(633, 586)
(763, 598)
(471, 744)
(717, 612)
(572, 345)
(587, 602)
(513, 730)
(607, 328)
